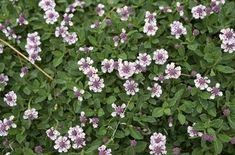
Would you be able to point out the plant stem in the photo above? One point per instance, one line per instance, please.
(23, 56)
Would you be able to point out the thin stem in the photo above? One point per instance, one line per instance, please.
(23, 56)
(185, 75)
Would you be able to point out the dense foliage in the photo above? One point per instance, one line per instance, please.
(117, 77)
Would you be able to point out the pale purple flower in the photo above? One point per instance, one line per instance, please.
(61, 31)
(230, 48)
(71, 38)
(118, 110)
(156, 90)
(150, 29)
(144, 59)
(10, 98)
(78, 93)
(91, 72)
(82, 118)
(123, 36)
(124, 13)
(31, 114)
(75, 132)
(159, 78)
(33, 38)
(139, 68)
(23, 71)
(126, 69)
(131, 87)
(107, 65)
(96, 84)
(85, 63)
(177, 29)
(100, 10)
(104, 151)
(207, 137)
(201, 82)
(9, 33)
(227, 36)
(172, 71)
(199, 11)
(21, 20)
(3, 129)
(52, 133)
(47, 4)
(86, 49)
(133, 143)
(79, 142)
(160, 56)
(62, 144)
(51, 16)
(150, 17)
(94, 121)
(215, 91)
(67, 20)
(9, 122)
(157, 144)
(192, 132)
(116, 40)
(180, 8)
(3, 79)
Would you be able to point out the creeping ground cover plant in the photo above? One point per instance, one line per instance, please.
(117, 77)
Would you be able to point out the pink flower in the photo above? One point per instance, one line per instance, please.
(177, 29)
(10, 98)
(215, 91)
(160, 56)
(107, 65)
(156, 90)
(62, 144)
(96, 84)
(78, 93)
(172, 72)
(52, 133)
(131, 87)
(126, 69)
(201, 82)
(104, 151)
(31, 114)
(118, 110)
(199, 11)
(144, 59)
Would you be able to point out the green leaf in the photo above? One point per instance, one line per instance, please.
(135, 134)
(181, 118)
(225, 69)
(157, 112)
(218, 146)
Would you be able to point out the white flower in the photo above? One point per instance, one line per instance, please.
(150, 29)
(160, 56)
(131, 87)
(144, 59)
(75, 132)
(52, 133)
(47, 4)
(104, 151)
(78, 93)
(156, 90)
(100, 10)
(215, 91)
(199, 11)
(118, 110)
(172, 72)
(107, 65)
(51, 16)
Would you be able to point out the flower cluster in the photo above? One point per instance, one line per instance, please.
(9, 32)
(157, 144)
(150, 26)
(227, 37)
(202, 83)
(177, 29)
(33, 47)
(96, 84)
(51, 16)
(104, 151)
(77, 136)
(3, 79)
(5, 125)
(30, 114)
